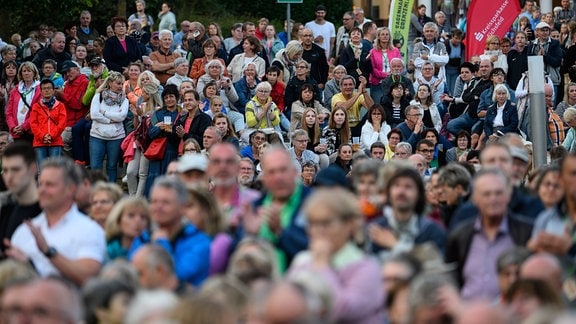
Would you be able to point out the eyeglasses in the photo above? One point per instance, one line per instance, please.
(301, 67)
(499, 74)
(191, 150)
(415, 115)
(263, 91)
(347, 19)
(307, 35)
(301, 141)
(494, 43)
(427, 151)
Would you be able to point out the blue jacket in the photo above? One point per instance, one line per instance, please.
(509, 118)
(244, 94)
(190, 250)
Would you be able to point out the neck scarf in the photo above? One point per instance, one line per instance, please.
(112, 98)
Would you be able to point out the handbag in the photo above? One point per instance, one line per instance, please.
(156, 149)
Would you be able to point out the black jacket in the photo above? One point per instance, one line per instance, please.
(199, 124)
(316, 56)
(460, 240)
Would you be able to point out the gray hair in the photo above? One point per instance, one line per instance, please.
(569, 114)
(347, 77)
(430, 25)
(150, 304)
(298, 133)
(173, 184)
(68, 167)
(164, 32)
(454, 174)
(157, 255)
(264, 86)
(405, 145)
(339, 67)
(216, 130)
(409, 108)
(424, 291)
(180, 60)
(214, 62)
(500, 88)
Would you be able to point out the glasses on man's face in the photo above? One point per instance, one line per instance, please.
(301, 67)
(307, 35)
(425, 151)
(415, 115)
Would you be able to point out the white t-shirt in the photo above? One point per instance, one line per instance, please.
(75, 237)
(327, 31)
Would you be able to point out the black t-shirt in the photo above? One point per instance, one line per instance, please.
(12, 215)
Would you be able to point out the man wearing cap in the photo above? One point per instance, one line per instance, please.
(55, 52)
(550, 51)
(154, 44)
(192, 170)
(72, 94)
(163, 59)
(323, 30)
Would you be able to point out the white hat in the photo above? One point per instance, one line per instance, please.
(189, 162)
(542, 25)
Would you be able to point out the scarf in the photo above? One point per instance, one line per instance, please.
(356, 49)
(50, 102)
(112, 98)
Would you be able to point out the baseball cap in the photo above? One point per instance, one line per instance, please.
(519, 153)
(542, 25)
(97, 61)
(67, 65)
(155, 34)
(189, 162)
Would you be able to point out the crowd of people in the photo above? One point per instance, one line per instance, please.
(153, 175)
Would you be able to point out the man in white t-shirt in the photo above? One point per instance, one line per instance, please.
(61, 240)
(324, 31)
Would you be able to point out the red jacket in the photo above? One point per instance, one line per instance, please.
(72, 99)
(48, 121)
(12, 110)
(277, 94)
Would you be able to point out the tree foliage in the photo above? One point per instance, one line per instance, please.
(24, 16)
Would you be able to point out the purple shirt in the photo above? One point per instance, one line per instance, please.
(480, 275)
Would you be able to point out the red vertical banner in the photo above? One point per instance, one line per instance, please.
(487, 18)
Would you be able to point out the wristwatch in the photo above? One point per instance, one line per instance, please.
(51, 252)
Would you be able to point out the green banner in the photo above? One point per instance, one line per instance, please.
(399, 24)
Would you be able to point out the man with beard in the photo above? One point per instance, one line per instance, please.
(404, 224)
(224, 169)
(247, 172)
(20, 202)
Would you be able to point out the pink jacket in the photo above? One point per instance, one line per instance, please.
(378, 73)
(12, 107)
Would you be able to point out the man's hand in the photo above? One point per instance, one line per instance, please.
(382, 236)
(555, 244)
(38, 236)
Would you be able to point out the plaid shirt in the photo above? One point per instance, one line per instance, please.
(555, 128)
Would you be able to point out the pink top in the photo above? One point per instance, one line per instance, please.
(380, 65)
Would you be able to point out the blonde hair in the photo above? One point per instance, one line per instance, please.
(214, 220)
(30, 66)
(112, 227)
(390, 42)
(491, 39)
(112, 77)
